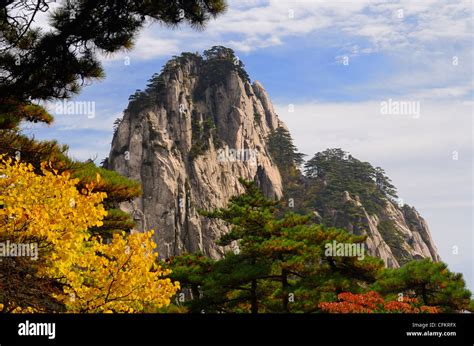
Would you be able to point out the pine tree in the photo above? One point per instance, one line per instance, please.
(278, 263)
(430, 282)
(334, 171)
(283, 151)
(236, 278)
(288, 160)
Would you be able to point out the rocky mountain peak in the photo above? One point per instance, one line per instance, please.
(198, 127)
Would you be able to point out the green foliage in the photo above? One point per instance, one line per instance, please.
(218, 64)
(277, 258)
(220, 54)
(282, 149)
(288, 160)
(411, 216)
(116, 125)
(471, 306)
(156, 86)
(257, 118)
(395, 240)
(339, 172)
(138, 101)
(430, 282)
(15, 144)
(12, 112)
(202, 132)
(117, 187)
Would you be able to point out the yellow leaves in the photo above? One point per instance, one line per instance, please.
(43, 202)
(27, 310)
(122, 276)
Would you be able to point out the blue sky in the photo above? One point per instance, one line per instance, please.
(335, 62)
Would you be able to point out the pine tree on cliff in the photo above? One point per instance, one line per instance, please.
(283, 151)
(334, 171)
(236, 279)
(288, 160)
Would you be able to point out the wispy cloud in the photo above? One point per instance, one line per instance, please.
(261, 23)
(387, 26)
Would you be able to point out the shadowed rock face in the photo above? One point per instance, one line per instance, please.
(189, 139)
(188, 146)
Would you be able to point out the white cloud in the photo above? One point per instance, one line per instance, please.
(251, 43)
(259, 24)
(422, 44)
(422, 22)
(445, 92)
(148, 46)
(361, 129)
(417, 155)
(428, 36)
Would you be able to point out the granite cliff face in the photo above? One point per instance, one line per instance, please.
(187, 140)
(397, 234)
(198, 127)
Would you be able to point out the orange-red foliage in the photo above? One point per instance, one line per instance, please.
(372, 302)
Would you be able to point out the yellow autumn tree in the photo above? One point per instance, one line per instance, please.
(72, 271)
(122, 276)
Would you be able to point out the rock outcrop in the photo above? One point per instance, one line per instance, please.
(397, 234)
(188, 140)
(198, 127)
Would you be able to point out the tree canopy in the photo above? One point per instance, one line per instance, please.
(273, 264)
(283, 151)
(431, 283)
(336, 171)
(278, 263)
